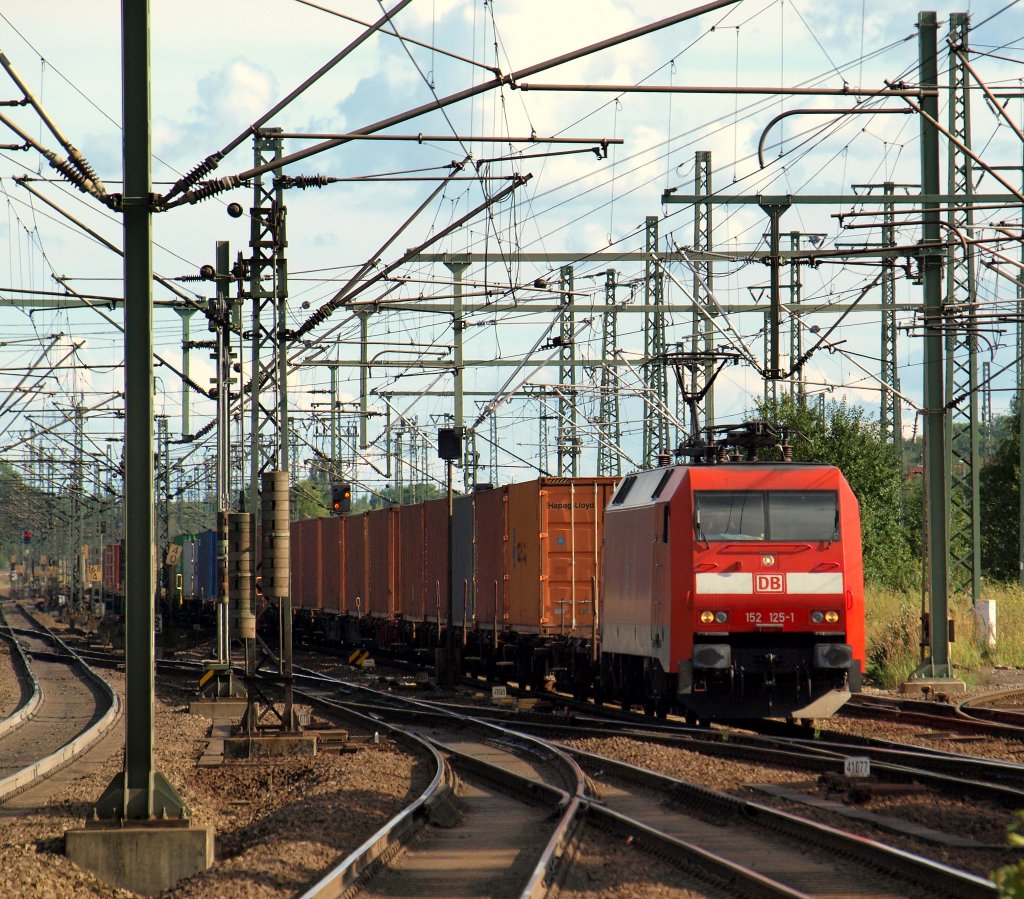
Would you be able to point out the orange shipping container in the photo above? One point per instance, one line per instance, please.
(295, 561)
(435, 559)
(332, 547)
(555, 527)
(490, 530)
(382, 574)
(307, 568)
(356, 585)
(410, 589)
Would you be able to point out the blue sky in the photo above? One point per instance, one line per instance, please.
(218, 67)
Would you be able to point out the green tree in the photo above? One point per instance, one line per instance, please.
(408, 495)
(310, 499)
(999, 483)
(846, 437)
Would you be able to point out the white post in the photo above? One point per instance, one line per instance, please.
(986, 612)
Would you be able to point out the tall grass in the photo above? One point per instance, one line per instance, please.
(894, 629)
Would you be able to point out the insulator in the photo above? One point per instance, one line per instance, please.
(85, 168)
(73, 175)
(787, 452)
(200, 171)
(210, 188)
(304, 181)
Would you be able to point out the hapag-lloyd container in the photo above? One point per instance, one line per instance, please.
(550, 549)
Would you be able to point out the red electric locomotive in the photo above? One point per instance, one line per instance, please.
(733, 591)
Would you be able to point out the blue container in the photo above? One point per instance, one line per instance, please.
(206, 566)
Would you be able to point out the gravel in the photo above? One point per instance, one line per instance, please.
(610, 867)
(982, 821)
(10, 689)
(279, 825)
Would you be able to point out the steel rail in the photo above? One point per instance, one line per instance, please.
(525, 789)
(542, 876)
(904, 866)
(741, 880)
(31, 774)
(394, 835)
(31, 704)
(577, 808)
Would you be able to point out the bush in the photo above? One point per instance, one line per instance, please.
(846, 437)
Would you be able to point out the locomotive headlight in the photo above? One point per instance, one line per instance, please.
(831, 617)
(707, 617)
(721, 617)
(768, 560)
(817, 617)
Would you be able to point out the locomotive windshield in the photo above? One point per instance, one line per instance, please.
(734, 515)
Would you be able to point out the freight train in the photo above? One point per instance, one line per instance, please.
(724, 591)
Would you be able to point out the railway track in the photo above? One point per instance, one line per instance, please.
(972, 716)
(642, 806)
(69, 707)
(522, 808)
(807, 856)
(493, 790)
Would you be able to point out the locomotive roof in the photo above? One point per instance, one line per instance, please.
(656, 485)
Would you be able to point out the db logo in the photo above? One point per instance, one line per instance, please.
(769, 583)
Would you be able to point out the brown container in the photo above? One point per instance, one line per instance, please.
(554, 532)
(332, 548)
(112, 568)
(296, 574)
(306, 562)
(382, 534)
(356, 585)
(490, 530)
(435, 560)
(410, 588)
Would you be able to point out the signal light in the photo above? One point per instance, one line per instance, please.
(341, 498)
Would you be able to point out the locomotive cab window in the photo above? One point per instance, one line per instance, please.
(729, 515)
(736, 515)
(803, 515)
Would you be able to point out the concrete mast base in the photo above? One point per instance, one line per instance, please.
(145, 859)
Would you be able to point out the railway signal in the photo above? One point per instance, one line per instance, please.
(341, 498)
